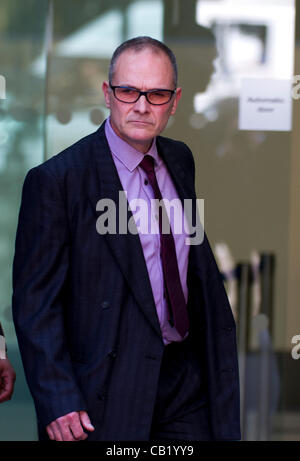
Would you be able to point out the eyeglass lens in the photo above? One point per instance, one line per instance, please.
(131, 95)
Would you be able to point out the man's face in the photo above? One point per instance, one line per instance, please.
(138, 123)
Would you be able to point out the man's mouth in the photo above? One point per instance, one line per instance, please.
(141, 122)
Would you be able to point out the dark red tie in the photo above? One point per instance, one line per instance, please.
(173, 288)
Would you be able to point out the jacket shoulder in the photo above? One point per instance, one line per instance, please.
(179, 151)
(174, 146)
(169, 142)
(73, 157)
(74, 161)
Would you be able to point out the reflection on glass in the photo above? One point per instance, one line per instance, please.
(21, 126)
(255, 39)
(22, 30)
(78, 64)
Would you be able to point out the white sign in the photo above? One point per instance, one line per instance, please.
(265, 105)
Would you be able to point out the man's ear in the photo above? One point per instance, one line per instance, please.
(106, 91)
(176, 100)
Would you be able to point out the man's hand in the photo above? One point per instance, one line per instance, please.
(7, 380)
(70, 427)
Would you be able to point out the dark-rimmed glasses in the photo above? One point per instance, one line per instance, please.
(129, 95)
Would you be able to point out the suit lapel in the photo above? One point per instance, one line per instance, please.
(127, 248)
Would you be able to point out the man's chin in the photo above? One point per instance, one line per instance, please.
(141, 135)
(140, 142)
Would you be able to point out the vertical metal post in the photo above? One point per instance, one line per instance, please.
(175, 13)
(244, 278)
(264, 416)
(267, 267)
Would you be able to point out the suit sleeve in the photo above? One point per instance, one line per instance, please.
(1, 331)
(40, 271)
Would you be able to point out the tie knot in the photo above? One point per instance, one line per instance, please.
(147, 164)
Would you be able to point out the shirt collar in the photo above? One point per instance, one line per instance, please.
(128, 155)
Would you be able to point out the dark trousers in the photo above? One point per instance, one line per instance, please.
(180, 411)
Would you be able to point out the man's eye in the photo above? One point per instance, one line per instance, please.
(127, 91)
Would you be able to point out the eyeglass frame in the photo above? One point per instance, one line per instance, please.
(142, 93)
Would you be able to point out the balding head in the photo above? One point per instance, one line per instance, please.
(138, 44)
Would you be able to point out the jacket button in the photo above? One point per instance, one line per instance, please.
(101, 395)
(112, 354)
(105, 304)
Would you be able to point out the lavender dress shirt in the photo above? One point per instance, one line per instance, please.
(134, 181)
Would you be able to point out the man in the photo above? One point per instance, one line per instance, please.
(123, 335)
(7, 373)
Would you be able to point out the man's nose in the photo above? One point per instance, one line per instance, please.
(142, 105)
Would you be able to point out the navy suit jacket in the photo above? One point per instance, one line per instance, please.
(83, 307)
